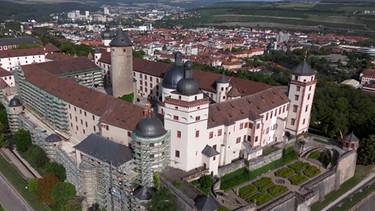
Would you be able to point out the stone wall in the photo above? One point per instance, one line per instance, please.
(346, 166)
(231, 167)
(183, 202)
(264, 160)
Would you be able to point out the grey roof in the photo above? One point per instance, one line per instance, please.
(174, 73)
(188, 85)
(14, 102)
(303, 69)
(105, 150)
(19, 40)
(121, 39)
(209, 151)
(222, 80)
(206, 203)
(53, 138)
(143, 193)
(107, 34)
(351, 137)
(150, 127)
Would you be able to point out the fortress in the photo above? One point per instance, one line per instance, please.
(198, 120)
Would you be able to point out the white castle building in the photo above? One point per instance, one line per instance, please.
(206, 120)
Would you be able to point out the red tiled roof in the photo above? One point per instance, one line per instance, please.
(4, 72)
(369, 73)
(66, 66)
(251, 106)
(58, 56)
(112, 111)
(21, 52)
(49, 47)
(206, 80)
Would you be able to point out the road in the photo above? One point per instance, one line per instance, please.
(10, 199)
(368, 205)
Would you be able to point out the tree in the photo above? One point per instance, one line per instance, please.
(31, 184)
(56, 169)
(162, 200)
(139, 54)
(206, 181)
(366, 151)
(38, 157)
(44, 187)
(22, 140)
(62, 192)
(3, 140)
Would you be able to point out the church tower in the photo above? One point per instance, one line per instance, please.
(121, 64)
(301, 94)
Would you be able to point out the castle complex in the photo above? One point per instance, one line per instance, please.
(198, 119)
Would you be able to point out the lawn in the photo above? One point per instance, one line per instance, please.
(196, 184)
(277, 190)
(263, 182)
(246, 191)
(19, 184)
(298, 166)
(311, 171)
(259, 198)
(314, 154)
(284, 172)
(297, 179)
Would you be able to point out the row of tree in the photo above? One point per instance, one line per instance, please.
(51, 188)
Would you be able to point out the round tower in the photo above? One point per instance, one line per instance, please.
(222, 86)
(151, 143)
(107, 36)
(14, 109)
(121, 64)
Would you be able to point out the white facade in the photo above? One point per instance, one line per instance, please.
(301, 95)
(9, 63)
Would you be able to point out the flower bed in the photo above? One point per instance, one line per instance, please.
(298, 166)
(284, 172)
(311, 171)
(259, 198)
(263, 182)
(247, 191)
(277, 190)
(297, 179)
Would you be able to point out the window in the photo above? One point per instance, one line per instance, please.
(80, 111)
(177, 154)
(256, 138)
(258, 126)
(76, 118)
(178, 134)
(271, 114)
(211, 135)
(295, 108)
(85, 113)
(70, 115)
(267, 130)
(246, 124)
(86, 124)
(298, 88)
(296, 97)
(81, 122)
(241, 126)
(94, 128)
(93, 117)
(266, 116)
(304, 120)
(293, 121)
(308, 96)
(107, 127)
(196, 133)
(197, 118)
(129, 133)
(310, 88)
(307, 108)
(84, 132)
(214, 146)
(175, 117)
(219, 132)
(238, 140)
